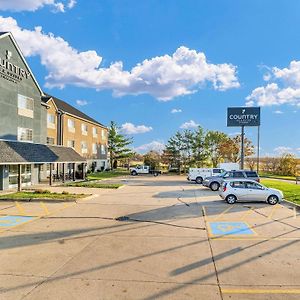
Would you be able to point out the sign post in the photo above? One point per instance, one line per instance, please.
(244, 117)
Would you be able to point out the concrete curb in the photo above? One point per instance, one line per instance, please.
(292, 204)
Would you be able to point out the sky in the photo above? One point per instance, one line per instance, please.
(156, 67)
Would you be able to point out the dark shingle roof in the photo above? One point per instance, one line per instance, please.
(21, 152)
(65, 107)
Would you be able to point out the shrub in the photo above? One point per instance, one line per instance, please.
(65, 193)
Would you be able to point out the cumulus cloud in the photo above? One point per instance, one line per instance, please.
(282, 150)
(176, 111)
(189, 125)
(284, 88)
(152, 146)
(129, 128)
(81, 102)
(164, 77)
(33, 5)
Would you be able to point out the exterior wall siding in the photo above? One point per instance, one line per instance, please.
(10, 120)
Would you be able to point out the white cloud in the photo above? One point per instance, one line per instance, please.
(283, 149)
(129, 128)
(81, 102)
(163, 77)
(154, 146)
(33, 5)
(189, 124)
(278, 112)
(175, 111)
(284, 88)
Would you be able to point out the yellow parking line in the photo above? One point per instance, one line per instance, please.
(245, 214)
(255, 291)
(20, 208)
(273, 211)
(45, 208)
(223, 213)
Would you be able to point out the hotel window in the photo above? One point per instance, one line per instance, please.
(71, 144)
(51, 121)
(84, 129)
(94, 148)
(95, 133)
(71, 125)
(103, 150)
(50, 141)
(103, 134)
(25, 134)
(84, 147)
(25, 106)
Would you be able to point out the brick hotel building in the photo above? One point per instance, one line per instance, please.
(41, 137)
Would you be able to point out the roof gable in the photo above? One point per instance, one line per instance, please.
(17, 66)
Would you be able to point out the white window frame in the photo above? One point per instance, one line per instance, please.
(71, 143)
(25, 106)
(94, 148)
(84, 129)
(71, 125)
(51, 121)
(103, 150)
(84, 147)
(28, 132)
(95, 132)
(103, 135)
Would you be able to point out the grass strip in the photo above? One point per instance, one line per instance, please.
(88, 184)
(106, 175)
(49, 196)
(291, 191)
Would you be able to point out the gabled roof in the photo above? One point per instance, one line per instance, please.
(9, 34)
(69, 109)
(14, 152)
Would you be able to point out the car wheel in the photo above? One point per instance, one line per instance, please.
(214, 186)
(155, 174)
(231, 199)
(272, 200)
(199, 180)
(133, 173)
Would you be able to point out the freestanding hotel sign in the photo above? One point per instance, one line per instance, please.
(241, 117)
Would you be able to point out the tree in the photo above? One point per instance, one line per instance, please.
(230, 148)
(117, 145)
(152, 159)
(214, 140)
(251, 162)
(199, 146)
(287, 165)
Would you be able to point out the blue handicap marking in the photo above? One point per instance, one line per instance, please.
(9, 221)
(230, 228)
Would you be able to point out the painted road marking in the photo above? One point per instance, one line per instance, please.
(254, 291)
(9, 221)
(223, 213)
(20, 208)
(230, 228)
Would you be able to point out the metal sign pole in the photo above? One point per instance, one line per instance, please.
(258, 148)
(242, 148)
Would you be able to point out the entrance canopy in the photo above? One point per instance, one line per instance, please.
(13, 152)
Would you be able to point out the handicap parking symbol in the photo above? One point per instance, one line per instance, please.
(10, 221)
(230, 228)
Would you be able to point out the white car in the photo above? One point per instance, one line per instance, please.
(248, 190)
(199, 174)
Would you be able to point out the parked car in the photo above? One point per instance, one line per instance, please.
(214, 182)
(143, 170)
(199, 174)
(248, 190)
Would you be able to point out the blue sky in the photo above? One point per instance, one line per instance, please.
(251, 48)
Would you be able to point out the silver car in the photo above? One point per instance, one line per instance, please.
(248, 190)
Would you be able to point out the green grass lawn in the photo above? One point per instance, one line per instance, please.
(291, 191)
(92, 184)
(107, 175)
(41, 195)
(269, 175)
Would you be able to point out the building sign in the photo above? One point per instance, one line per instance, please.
(243, 116)
(10, 71)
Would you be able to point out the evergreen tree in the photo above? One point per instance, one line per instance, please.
(117, 145)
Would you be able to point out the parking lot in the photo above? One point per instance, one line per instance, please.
(156, 238)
